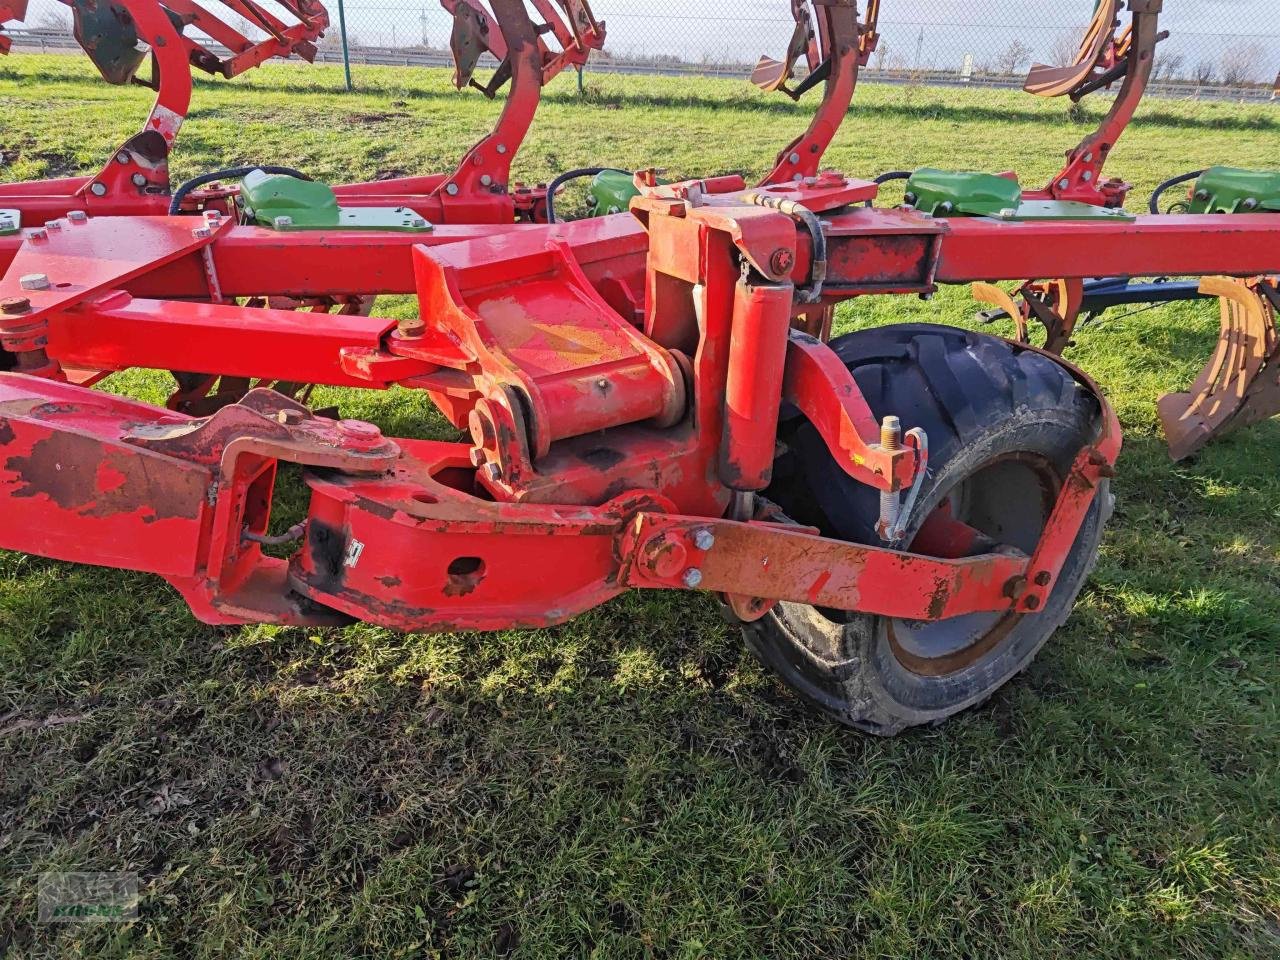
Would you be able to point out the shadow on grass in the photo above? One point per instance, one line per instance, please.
(747, 101)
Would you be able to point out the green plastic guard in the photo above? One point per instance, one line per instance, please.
(287, 203)
(1230, 190)
(611, 192)
(944, 193)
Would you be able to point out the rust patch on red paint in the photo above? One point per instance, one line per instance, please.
(6, 432)
(72, 472)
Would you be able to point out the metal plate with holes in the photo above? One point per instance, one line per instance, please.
(10, 222)
(394, 219)
(1063, 210)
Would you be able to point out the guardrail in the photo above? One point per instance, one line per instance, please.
(55, 41)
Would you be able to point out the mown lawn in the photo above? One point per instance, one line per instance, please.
(633, 784)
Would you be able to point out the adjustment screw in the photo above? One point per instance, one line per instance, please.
(704, 539)
(14, 305)
(692, 578)
(98, 189)
(34, 281)
(201, 233)
(282, 221)
(77, 216)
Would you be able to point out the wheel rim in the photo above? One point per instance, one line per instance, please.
(1007, 500)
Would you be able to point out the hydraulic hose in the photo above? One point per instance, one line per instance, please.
(178, 195)
(802, 215)
(886, 177)
(1154, 204)
(568, 175)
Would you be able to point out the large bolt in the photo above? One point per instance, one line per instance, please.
(212, 217)
(411, 327)
(493, 472)
(38, 234)
(14, 305)
(98, 189)
(692, 578)
(890, 502)
(451, 189)
(290, 418)
(502, 148)
(704, 539)
(77, 216)
(359, 435)
(282, 221)
(34, 281)
(794, 158)
(485, 180)
(139, 180)
(54, 225)
(201, 233)
(781, 261)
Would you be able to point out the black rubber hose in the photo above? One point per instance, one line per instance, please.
(568, 175)
(178, 195)
(886, 177)
(1154, 204)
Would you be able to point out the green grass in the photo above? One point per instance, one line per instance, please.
(633, 784)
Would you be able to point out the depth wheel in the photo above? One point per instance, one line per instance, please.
(1004, 427)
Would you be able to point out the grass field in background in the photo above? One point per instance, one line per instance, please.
(633, 784)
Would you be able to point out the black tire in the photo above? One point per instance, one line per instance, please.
(1004, 425)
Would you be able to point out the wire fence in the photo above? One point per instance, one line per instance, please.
(1211, 43)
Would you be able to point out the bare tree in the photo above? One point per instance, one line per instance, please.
(882, 52)
(1242, 65)
(1204, 72)
(53, 20)
(1010, 60)
(1168, 67)
(1064, 51)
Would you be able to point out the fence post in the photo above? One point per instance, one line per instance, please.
(346, 53)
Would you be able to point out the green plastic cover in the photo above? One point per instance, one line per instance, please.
(945, 193)
(287, 203)
(1231, 190)
(611, 192)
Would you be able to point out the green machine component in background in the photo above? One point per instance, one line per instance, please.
(286, 203)
(611, 192)
(1230, 190)
(944, 193)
